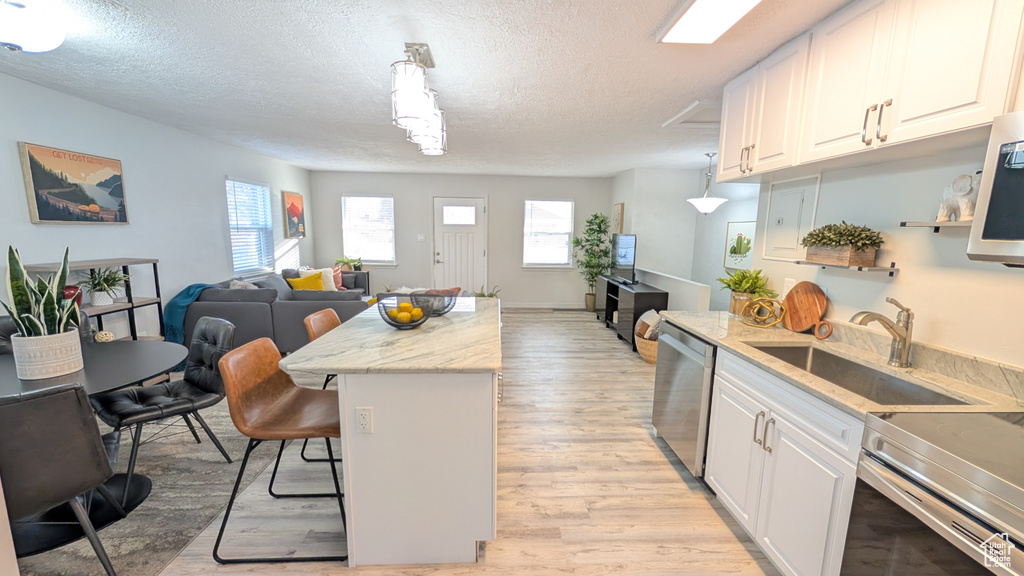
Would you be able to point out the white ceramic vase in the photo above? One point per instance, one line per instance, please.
(38, 357)
(101, 299)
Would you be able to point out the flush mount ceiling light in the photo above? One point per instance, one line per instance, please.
(707, 203)
(29, 26)
(414, 106)
(704, 21)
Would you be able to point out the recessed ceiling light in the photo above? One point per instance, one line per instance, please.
(29, 26)
(704, 21)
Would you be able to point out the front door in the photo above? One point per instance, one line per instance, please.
(460, 243)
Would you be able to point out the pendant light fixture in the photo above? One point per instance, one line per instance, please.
(414, 106)
(29, 26)
(707, 203)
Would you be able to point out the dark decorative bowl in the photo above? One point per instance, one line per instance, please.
(405, 311)
(443, 303)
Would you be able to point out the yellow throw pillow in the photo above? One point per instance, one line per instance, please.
(312, 282)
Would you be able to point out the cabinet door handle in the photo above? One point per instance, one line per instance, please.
(765, 435)
(742, 152)
(878, 129)
(864, 129)
(756, 419)
(750, 152)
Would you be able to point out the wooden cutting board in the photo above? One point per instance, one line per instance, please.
(805, 305)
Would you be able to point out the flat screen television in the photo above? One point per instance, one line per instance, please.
(624, 257)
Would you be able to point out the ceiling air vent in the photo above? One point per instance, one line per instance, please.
(699, 114)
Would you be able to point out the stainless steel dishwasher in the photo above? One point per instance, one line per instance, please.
(682, 394)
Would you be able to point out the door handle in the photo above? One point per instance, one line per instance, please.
(764, 436)
(878, 128)
(750, 152)
(864, 129)
(756, 418)
(438, 261)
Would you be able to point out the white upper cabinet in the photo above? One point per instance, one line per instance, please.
(950, 66)
(761, 114)
(780, 88)
(737, 125)
(844, 79)
(889, 71)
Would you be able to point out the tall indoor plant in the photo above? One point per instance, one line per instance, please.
(593, 253)
(46, 344)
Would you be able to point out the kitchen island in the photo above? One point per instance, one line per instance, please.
(418, 431)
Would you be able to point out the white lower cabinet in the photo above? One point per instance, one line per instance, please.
(783, 463)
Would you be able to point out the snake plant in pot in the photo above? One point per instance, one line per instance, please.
(47, 343)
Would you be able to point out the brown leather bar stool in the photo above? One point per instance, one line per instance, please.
(266, 405)
(318, 324)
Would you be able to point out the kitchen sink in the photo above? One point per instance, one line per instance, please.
(869, 383)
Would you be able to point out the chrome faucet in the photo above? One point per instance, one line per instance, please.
(899, 350)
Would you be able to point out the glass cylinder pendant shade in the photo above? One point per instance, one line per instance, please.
(430, 126)
(409, 95)
(436, 144)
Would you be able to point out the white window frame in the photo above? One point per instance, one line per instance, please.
(261, 204)
(572, 228)
(394, 244)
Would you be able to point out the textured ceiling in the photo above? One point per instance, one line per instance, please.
(531, 87)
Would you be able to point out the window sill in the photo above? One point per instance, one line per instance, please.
(373, 265)
(552, 267)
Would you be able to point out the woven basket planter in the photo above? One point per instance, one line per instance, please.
(841, 256)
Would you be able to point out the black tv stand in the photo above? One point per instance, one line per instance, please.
(630, 300)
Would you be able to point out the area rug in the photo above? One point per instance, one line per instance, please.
(191, 485)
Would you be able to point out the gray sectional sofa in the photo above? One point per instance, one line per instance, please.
(274, 310)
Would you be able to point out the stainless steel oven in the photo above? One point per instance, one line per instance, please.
(938, 494)
(682, 394)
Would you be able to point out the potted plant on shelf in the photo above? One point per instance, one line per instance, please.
(593, 254)
(842, 245)
(746, 285)
(102, 285)
(349, 264)
(47, 343)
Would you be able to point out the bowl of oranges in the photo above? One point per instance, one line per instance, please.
(404, 311)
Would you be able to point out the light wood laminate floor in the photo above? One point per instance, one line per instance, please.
(583, 485)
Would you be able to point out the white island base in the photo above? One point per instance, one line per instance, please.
(420, 488)
(420, 476)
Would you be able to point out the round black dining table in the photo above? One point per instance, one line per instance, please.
(108, 366)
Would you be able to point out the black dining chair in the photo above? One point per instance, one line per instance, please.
(51, 454)
(201, 387)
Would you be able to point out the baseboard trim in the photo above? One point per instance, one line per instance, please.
(547, 305)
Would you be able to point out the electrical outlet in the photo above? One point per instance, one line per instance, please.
(364, 420)
(790, 282)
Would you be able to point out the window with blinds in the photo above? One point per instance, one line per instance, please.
(252, 228)
(368, 228)
(547, 233)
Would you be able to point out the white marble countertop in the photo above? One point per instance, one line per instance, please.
(729, 333)
(467, 339)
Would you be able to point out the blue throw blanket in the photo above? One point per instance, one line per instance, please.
(174, 312)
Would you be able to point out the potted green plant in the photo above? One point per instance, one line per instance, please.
(349, 263)
(46, 344)
(102, 285)
(483, 293)
(842, 245)
(592, 252)
(746, 285)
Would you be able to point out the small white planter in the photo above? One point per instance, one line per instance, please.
(101, 299)
(38, 357)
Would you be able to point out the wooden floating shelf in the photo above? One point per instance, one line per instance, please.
(891, 269)
(935, 226)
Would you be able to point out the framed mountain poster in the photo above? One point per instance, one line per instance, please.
(294, 215)
(67, 187)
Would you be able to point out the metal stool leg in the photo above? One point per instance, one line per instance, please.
(136, 442)
(305, 442)
(90, 533)
(213, 437)
(337, 486)
(191, 428)
(273, 478)
(231, 502)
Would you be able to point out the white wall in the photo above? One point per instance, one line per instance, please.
(174, 190)
(414, 193)
(960, 304)
(662, 219)
(709, 236)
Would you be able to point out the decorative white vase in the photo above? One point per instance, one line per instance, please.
(101, 299)
(38, 357)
